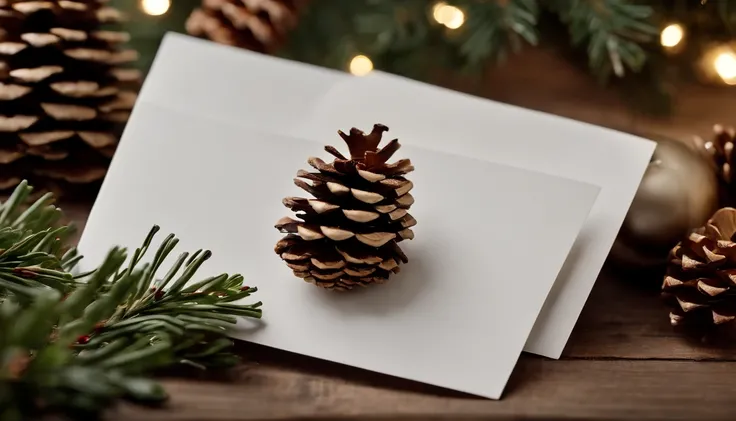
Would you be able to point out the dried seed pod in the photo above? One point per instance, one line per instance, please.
(348, 234)
(699, 284)
(259, 25)
(64, 92)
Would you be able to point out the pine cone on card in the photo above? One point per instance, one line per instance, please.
(349, 233)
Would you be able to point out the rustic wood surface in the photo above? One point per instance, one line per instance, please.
(623, 362)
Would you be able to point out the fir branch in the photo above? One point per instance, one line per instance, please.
(613, 31)
(492, 27)
(40, 374)
(70, 343)
(131, 310)
(17, 214)
(32, 251)
(402, 36)
(30, 260)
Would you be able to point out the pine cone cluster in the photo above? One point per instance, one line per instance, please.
(64, 94)
(349, 234)
(701, 278)
(258, 25)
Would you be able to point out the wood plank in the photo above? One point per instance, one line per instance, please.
(540, 389)
(625, 318)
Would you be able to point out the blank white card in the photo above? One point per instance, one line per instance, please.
(489, 244)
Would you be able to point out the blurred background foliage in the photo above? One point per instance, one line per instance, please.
(642, 48)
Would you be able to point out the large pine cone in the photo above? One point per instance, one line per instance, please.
(63, 93)
(701, 276)
(349, 234)
(258, 25)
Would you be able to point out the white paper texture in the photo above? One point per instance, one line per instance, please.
(489, 243)
(204, 78)
(283, 97)
(442, 120)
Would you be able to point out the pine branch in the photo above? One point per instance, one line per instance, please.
(40, 376)
(613, 31)
(32, 251)
(40, 215)
(29, 261)
(133, 308)
(493, 27)
(70, 343)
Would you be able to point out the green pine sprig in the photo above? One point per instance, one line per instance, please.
(403, 37)
(32, 246)
(42, 375)
(126, 318)
(612, 30)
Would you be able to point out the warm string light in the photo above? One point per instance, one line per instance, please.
(672, 35)
(155, 7)
(448, 15)
(725, 66)
(361, 65)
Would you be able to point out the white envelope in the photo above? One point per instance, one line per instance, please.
(285, 97)
(489, 244)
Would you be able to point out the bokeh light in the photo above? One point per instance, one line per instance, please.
(361, 65)
(155, 7)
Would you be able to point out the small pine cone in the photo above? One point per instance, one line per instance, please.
(700, 280)
(349, 233)
(258, 25)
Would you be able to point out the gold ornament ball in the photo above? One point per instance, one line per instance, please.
(679, 192)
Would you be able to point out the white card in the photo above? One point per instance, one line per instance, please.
(290, 98)
(489, 243)
(448, 121)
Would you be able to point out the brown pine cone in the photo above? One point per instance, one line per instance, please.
(349, 234)
(699, 285)
(64, 93)
(719, 151)
(258, 25)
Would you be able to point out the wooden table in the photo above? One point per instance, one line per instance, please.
(624, 361)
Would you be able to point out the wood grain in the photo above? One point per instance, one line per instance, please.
(539, 390)
(625, 318)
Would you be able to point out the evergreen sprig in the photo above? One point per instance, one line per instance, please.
(402, 36)
(70, 341)
(41, 375)
(613, 30)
